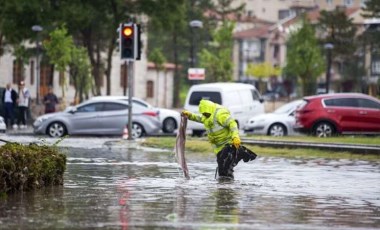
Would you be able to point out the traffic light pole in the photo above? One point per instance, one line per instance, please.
(130, 68)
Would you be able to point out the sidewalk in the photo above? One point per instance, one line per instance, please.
(18, 131)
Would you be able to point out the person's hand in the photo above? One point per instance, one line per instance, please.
(186, 113)
(236, 142)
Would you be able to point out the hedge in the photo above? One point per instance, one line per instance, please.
(29, 167)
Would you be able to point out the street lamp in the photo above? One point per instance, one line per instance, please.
(37, 29)
(194, 24)
(328, 47)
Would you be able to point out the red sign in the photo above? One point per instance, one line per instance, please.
(196, 74)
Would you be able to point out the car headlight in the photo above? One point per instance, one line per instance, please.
(43, 118)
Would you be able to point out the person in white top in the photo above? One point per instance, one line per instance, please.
(23, 105)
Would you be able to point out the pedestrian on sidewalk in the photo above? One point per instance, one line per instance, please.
(50, 101)
(23, 105)
(9, 99)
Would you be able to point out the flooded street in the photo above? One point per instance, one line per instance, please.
(111, 186)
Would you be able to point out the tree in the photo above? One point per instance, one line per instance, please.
(217, 59)
(371, 9)
(167, 28)
(304, 58)
(80, 73)
(93, 24)
(338, 30)
(371, 36)
(59, 49)
(262, 70)
(159, 60)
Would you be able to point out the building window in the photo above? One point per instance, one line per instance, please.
(32, 72)
(276, 51)
(149, 89)
(283, 14)
(123, 75)
(375, 67)
(347, 2)
(18, 74)
(329, 2)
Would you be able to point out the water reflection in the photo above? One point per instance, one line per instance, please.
(124, 189)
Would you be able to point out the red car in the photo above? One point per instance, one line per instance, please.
(341, 113)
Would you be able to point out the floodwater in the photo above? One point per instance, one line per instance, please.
(120, 188)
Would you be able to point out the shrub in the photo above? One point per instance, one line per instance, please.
(29, 167)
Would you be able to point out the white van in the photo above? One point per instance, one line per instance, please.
(243, 101)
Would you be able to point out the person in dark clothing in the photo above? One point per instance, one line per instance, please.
(9, 99)
(50, 100)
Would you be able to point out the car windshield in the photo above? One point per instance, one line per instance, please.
(196, 97)
(287, 108)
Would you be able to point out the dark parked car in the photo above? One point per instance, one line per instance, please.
(341, 113)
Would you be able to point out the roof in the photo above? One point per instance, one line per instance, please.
(167, 66)
(234, 17)
(260, 32)
(222, 86)
(337, 95)
(313, 15)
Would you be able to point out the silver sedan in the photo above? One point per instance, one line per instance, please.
(279, 123)
(101, 117)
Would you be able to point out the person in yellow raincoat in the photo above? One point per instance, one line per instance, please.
(222, 130)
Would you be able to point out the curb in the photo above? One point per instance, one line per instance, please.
(354, 148)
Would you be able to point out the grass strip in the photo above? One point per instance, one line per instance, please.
(201, 145)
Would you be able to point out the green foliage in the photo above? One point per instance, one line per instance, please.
(340, 31)
(59, 48)
(28, 167)
(371, 9)
(158, 58)
(304, 58)
(262, 70)
(217, 59)
(371, 36)
(202, 146)
(80, 72)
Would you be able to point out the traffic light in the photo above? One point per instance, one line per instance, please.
(139, 43)
(128, 41)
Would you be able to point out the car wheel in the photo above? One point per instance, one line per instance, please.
(324, 129)
(56, 129)
(169, 125)
(137, 130)
(277, 130)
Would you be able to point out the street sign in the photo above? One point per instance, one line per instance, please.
(196, 74)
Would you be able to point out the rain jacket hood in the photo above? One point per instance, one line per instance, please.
(206, 106)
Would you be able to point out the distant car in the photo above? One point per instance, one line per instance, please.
(3, 127)
(279, 123)
(341, 113)
(170, 119)
(100, 117)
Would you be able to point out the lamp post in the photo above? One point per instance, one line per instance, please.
(194, 24)
(328, 47)
(38, 29)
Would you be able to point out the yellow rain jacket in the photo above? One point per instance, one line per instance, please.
(221, 128)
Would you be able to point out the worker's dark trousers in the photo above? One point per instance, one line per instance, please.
(229, 157)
